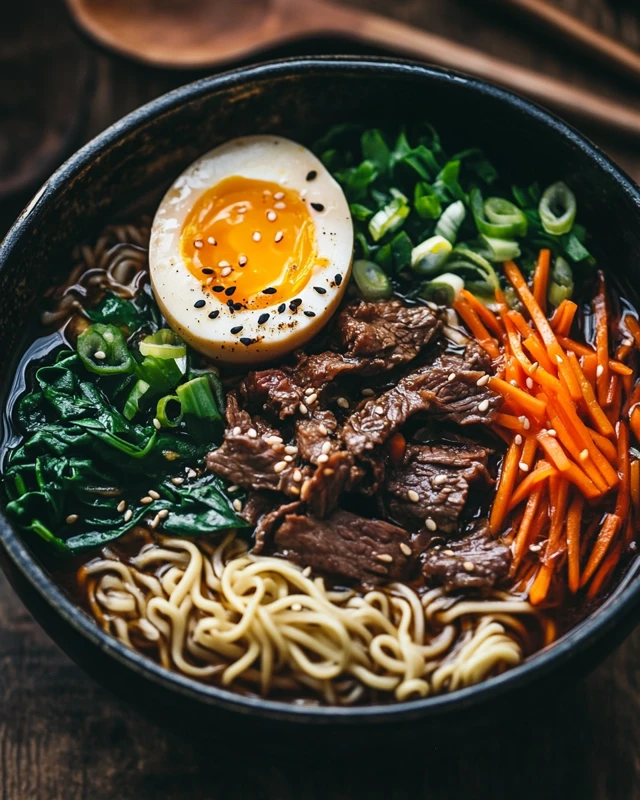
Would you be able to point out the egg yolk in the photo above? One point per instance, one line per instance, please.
(250, 240)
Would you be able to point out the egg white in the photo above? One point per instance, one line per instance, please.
(266, 158)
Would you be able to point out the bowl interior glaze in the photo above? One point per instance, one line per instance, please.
(300, 98)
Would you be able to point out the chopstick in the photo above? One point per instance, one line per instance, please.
(573, 31)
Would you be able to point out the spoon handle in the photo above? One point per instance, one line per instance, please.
(389, 33)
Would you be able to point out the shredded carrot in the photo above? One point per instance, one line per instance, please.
(584, 350)
(554, 452)
(539, 353)
(634, 422)
(608, 530)
(506, 483)
(563, 318)
(602, 340)
(542, 471)
(541, 278)
(510, 422)
(397, 448)
(521, 541)
(614, 399)
(528, 452)
(537, 373)
(605, 572)
(486, 315)
(558, 507)
(633, 326)
(606, 446)
(518, 398)
(624, 471)
(612, 390)
(476, 326)
(574, 521)
(595, 412)
(619, 369)
(570, 441)
(589, 366)
(520, 323)
(634, 484)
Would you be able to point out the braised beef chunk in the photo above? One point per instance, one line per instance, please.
(267, 522)
(313, 433)
(432, 483)
(346, 546)
(273, 389)
(447, 389)
(322, 491)
(474, 562)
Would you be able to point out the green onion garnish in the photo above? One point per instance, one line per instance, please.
(196, 398)
(443, 290)
(501, 249)
(451, 220)
(557, 208)
(497, 218)
(560, 282)
(429, 256)
(132, 405)
(389, 218)
(371, 280)
(169, 411)
(163, 344)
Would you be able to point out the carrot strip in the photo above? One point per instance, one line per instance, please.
(574, 521)
(506, 438)
(541, 278)
(573, 446)
(595, 412)
(529, 452)
(538, 352)
(589, 366)
(634, 422)
(476, 326)
(612, 390)
(517, 397)
(605, 572)
(584, 350)
(521, 541)
(633, 326)
(521, 324)
(510, 422)
(602, 340)
(558, 507)
(607, 532)
(539, 373)
(634, 484)
(620, 369)
(557, 316)
(543, 471)
(582, 481)
(607, 447)
(614, 399)
(506, 483)
(624, 471)
(563, 318)
(554, 452)
(486, 315)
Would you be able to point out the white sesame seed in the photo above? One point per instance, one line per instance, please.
(237, 430)
(152, 493)
(513, 382)
(163, 514)
(312, 399)
(237, 504)
(535, 548)
(279, 206)
(483, 406)
(108, 336)
(405, 548)
(367, 392)
(297, 475)
(342, 402)
(256, 236)
(535, 366)
(288, 459)
(296, 606)
(291, 450)
(306, 572)
(431, 525)
(379, 410)
(252, 433)
(584, 454)
(242, 260)
(524, 467)
(518, 439)
(121, 506)
(128, 514)
(233, 488)
(208, 282)
(384, 557)
(529, 383)
(326, 447)
(198, 244)
(278, 237)
(280, 466)
(274, 439)
(211, 240)
(468, 565)
(154, 521)
(439, 480)
(483, 381)
(272, 216)
(177, 481)
(309, 390)
(447, 552)
(599, 370)
(191, 473)
(413, 496)
(100, 355)
(71, 519)
(146, 500)
(266, 192)
(526, 424)
(552, 432)
(625, 342)
(323, 429)
(156, 423)
(222, 264)
(452, 377)
(559, 359)
(278, 195)
(302, 408)
(322, 459)
(226, 271)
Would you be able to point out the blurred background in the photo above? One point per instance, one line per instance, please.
(62, 736)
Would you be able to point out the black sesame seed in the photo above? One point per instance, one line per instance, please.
(312, 175)
(309, 313)
(338, 279)
(237, 306)
(296, 302)
(246, 341)
(213, 314)
(236, 329)
(281, 308)
(199, 304)
(218, 288)
(262, 319)
(270, 290)
(320, 289)
(230, 303)
(230, 291)
(207, 271)
(317, 206)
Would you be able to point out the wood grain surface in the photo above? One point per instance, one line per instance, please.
(61, 735)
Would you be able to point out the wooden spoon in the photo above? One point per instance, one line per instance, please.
(190, 34)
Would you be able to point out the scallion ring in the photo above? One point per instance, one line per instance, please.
(371, 280)
(561, 282)
(496, 217)
(501, 249)
(557, 209)
(429, 256)
(443, 290)
(451, 220)
(169, 411)
(196, 398)
(163, 344)
(389, 218)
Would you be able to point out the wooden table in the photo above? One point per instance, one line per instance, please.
(61, 735)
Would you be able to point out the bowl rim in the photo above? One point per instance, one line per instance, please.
(622, 605)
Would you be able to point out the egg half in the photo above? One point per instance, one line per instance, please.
(251, 249)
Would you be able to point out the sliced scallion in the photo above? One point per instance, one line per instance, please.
(429, 256)
(163, 374)
(132, 405)
(451, 220)
(496, 217)
(371, 280)
(501, 249)
(561, 282)
(196, 398)
(389, 218)
(443, 290)
(163, 344)
(169, 411)
(557, 208)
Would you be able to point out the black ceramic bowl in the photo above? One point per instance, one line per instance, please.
(300, 98)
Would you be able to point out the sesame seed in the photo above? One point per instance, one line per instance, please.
(281, 307)
(208, 271)
(367, 392)
(447, 552)
(156, 423)
(101, 355)
(146, 500)
(128, 514)
(218, 288)
(273, 439)
(154, 521)
(212, 241)
(177, 481)
(584, 454)
(199, 304)
(107, 336)
(526, 424)
(309, 313)
(379, 410)
(552, 432)
(513, 382)
(163, 514)
(256, 236)
(483, 381)
(237, 504)
(297, 475)
(322, 459)
(311, 399)
(468, 565)
(535, 548)
(121, 506)
(242, 260)
(269, 290)
(208, 282)
(191, 473)
(263, 318)
(431, 525)
(405, 548)
(311, 175)
(440, 479)
(288, 459)
(599, 370)
(483, 406)
(213, 314)
(230, 290)
(278, 237)
(226, 271)
(278, 195)
(198, 244)
(309, 390)
(326, 447)
(291, 449)
(233, 488)
(323, 429)
(319, 289)
(452, 377)
(252, 433)
(236, 329)
(237, 431)
(337, 279)
(535, 366)
(317, 206)
(279, 206)
(154, 494)
(272, 216)
(529, 383)
(559, 359)
(384, 557)
(342, 402)
(518, 439)
(71, 519)
(297, 301)
(280, 466)
(302, 408)
(413, 496)
(524, 467)
(222, 264)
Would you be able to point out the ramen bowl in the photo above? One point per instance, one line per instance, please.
(133, 162)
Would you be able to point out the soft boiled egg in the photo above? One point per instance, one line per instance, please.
(251, 249)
